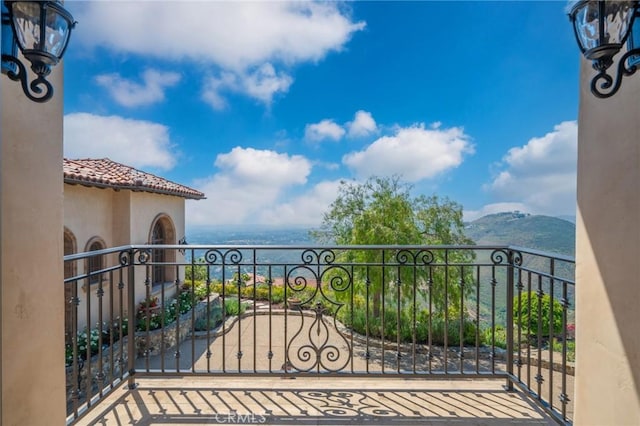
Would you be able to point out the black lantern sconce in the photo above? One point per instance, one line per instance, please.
(602, 28)
(41, 30)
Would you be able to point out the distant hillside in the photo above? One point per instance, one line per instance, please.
(531, 231)
(545, 233)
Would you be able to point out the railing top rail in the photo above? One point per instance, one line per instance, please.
(197, 247)
(541, 253)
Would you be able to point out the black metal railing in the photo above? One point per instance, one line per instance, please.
(433, 312)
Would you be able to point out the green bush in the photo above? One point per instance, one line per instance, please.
(247, 292)
(453, 331)
(229, 289)
(359, 322)
(526, 314)
(232, 307)
(277, 295)
(150, 316)
(500, 336)
(200, 288)
(210, 322)
(111, 331)
(262, 293)
(197, 271)
(571, 349)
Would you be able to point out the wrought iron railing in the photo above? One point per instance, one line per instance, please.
(431, 312)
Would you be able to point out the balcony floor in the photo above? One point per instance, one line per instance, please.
(315, 401)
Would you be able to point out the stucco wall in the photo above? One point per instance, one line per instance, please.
(608, 256)
(88, 212)
(145, 207)
(117, 218)
(32, 318)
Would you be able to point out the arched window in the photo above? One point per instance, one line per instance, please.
(70, 270)
(95, 263)
(69, 248)
(159, 256)
(162, 232)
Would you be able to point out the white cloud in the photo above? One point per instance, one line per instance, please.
(306, 209)
(131, 94)
(325, 129)
(415, 153)
(248, 182)
(235, 37)
(363, 124)
(133, 142)
(541, 175)
(262, 84)
(214, 85)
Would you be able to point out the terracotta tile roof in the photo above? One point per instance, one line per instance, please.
(104, 173)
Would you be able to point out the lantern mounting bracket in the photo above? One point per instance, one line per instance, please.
(39, 95)
(605, 85)
(602, 28)
(41, 30)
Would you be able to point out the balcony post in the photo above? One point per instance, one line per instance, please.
(32, 373)
(131, 314)
(510, 284)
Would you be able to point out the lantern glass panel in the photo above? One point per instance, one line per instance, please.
(26, 20)
(615, 26)
(57, 33)
(9, 46)
(633, 42)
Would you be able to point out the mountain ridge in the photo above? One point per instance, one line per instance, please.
(539, 232)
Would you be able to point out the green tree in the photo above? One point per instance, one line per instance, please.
(382, 211)
(197, 271)
(531, 310)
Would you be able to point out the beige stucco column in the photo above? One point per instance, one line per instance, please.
(608, 256)
(32, 390)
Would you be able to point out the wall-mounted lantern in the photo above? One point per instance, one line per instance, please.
(41, 30)
(602, 27)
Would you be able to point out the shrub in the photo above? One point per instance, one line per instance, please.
(197, 271)
(453, 331)
(262, 293)
(199, 288)
(229, 289)
(210, 322)
(232, 307)
(526, 314)
(111, 332)
(150, 316)
(571, 348)
(359, 322)
(500, 336)
(277, 295)
(247, 292)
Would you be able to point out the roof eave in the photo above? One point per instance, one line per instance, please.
(134, 188)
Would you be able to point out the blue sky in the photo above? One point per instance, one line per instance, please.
(266, 106)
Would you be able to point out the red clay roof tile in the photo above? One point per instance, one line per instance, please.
(105, 173)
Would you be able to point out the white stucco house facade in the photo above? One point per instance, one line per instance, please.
(109, 204)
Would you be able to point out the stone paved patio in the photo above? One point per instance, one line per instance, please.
(315, 401)
(303, 400)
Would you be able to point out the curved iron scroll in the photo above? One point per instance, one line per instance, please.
(506, 257)
(318, 346)
(42, 90)
(316, 343)
(604, 85)
(136, 257)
